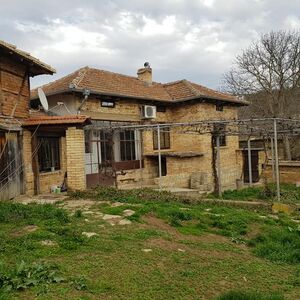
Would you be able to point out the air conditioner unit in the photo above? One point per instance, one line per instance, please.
(148, 112)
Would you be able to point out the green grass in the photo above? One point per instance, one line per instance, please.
(290, 193)
(239, 295)
(224, 249)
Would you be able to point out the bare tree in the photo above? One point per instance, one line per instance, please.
(268, 75)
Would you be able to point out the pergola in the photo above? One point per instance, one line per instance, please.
(266, 128)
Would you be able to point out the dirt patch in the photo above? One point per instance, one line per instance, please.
(74, 204)
(159, 224)
(254, 231)
(25, 230)
(154, 222)
(166, 244)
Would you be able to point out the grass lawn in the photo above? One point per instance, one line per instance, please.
(290, 193)
(169, 251)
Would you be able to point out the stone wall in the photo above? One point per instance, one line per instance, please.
(46, 179)
(75, 159)
(289, 172)
(179, 170)
(27, 161)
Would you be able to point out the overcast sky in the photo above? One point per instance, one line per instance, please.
(192, 39)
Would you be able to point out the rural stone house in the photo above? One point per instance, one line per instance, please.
(129, 158)
(24, 136)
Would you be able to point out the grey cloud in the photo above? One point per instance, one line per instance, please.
(199, 46)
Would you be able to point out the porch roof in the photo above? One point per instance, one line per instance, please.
(12, 124)
(56, 120)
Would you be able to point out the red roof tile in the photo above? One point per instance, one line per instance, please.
(55, 120)
(109, 83)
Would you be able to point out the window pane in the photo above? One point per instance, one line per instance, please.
(48, 154)
(164, 139)
(127, 145)
(219, 129)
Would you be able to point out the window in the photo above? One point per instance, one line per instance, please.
(164, 138)
(127, 145)
(219, 129)
(110, 104)
(106, 146)
(160, 108)
(219, 107)
(48, 154)
(87, 141)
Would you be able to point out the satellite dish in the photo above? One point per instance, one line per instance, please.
(43, 99)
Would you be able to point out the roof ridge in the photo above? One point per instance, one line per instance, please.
(114, 73)
(59, 79)
(173, 82)
(81, 73)
(190, 86)
(215, 91)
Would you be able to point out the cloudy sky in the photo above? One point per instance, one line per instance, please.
(191, 39)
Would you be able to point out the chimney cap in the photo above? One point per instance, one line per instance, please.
(147, 65)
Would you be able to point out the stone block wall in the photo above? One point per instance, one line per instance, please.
(27, 162)
(289, 172)
(47, 179)
(75, 158)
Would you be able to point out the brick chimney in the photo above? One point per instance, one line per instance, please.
(145, 74)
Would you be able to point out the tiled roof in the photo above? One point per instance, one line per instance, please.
(56, 120)
(40, 67)
(109, 83)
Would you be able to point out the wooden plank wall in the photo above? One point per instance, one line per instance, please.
(11, 171)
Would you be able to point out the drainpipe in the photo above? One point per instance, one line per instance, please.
(86, 94)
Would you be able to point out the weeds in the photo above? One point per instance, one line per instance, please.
(129, 196)
(25, 275)
(15, 213)
(290, 193)
(239, 295)
(80, 283)
(279, 244)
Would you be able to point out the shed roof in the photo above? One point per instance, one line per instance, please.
(37, 67)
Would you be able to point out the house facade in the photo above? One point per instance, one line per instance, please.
(130, 157)
(25, 136)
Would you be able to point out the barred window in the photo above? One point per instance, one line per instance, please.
(127, 145)
(164, 138)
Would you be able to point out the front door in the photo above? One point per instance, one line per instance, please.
(99, 158)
